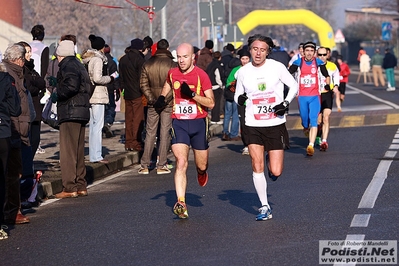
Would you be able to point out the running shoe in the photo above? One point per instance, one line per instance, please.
(143, 170)
(202, 179)
(245, 151)
(180, 209)
(265, 213)
(3, 234)
(318, 141)
(271, 176)
(324, 146)
(40, 150)
(310, 150)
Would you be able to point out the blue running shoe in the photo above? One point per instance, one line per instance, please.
(271, 176)
(265, 213)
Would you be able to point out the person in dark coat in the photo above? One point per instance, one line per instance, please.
(72, 96)
(113, 94)
(205, 55)
(216, 75)
(130, 70)
(14, 60)
(389, 63)
(36, 87)
(10, 105)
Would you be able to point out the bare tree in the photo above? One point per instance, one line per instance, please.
(119, 26)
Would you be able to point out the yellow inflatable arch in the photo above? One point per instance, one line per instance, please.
(286, 17)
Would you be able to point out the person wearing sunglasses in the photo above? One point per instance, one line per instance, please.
(327, 91)
(309, 94)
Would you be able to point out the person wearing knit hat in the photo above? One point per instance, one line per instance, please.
(205, 55)
(137, 44)
(96, 62)
(73, 110)
(130, 66)
(97, 42)
(65, 48)
(209, 44)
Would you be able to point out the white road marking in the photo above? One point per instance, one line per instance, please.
(395, 106)
(371, 194)
(374, 188)
(95, 183)
(351, 238)
(394, 147)
(360, 220)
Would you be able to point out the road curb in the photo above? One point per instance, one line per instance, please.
(51, 183)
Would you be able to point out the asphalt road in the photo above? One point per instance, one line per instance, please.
(127, 218)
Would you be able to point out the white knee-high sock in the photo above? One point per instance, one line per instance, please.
(261, 187)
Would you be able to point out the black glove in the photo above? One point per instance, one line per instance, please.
(160, 104)
(242, 98)
(52, 81)
(112, 79)
(117, 95)
(185, 90)
(279, 109)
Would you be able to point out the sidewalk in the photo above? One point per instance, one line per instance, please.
(355, 70)
(113, 151)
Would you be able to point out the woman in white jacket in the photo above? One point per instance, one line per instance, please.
(364, 65)
(96, 63)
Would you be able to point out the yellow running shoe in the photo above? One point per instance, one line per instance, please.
(180, 209)
(310, 150)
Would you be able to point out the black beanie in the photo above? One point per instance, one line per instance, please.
(209, 44)
(97, 42)
(244, 52)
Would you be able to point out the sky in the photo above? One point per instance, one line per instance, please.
(341, 5)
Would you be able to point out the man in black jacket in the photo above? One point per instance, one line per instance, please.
(216, 75)
(10, 105)
(389, 63)
(130, 70)
(72, 96)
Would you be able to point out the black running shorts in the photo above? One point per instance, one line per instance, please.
(326, 100)
(272, 138)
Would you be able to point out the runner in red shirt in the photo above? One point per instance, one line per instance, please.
(192, 91)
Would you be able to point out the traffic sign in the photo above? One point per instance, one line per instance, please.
(234, 34)
(386, 34)
(339, 37)
(211, 11)
(156, 4)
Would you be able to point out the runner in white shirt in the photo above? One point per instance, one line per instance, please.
(260, 86)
